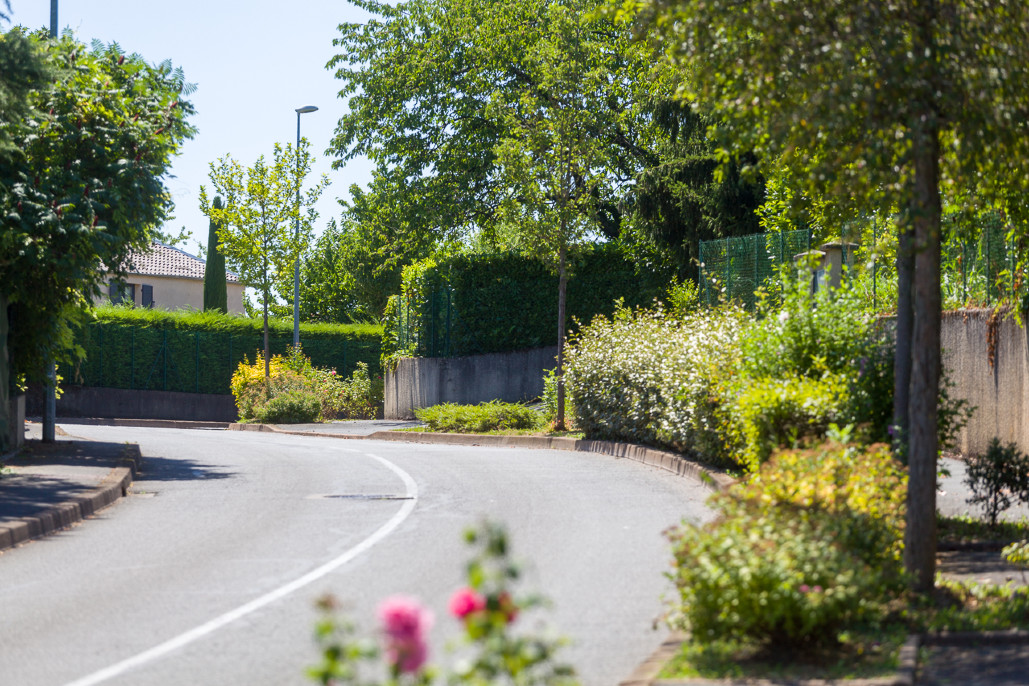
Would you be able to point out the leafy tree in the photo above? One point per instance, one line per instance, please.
(430, 86)
(256, 227)
(878, 105)
(216, 295)
(82, 181)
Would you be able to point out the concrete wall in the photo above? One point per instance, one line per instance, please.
(84, 401)
(16, 421)
(426, 381)
(999, 391)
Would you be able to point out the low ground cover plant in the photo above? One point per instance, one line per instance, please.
(298, 392)
(489, 416)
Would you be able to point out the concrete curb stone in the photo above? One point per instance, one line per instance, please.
(113, 486)
(671, 462)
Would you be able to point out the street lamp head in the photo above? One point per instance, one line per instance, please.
(306, 108)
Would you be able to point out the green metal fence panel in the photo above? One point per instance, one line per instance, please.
(733, 269)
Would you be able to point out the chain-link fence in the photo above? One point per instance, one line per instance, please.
(425, 323)
(147, 358)
(732, 269)
(978, 264)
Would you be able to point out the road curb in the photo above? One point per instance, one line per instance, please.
(662, 459)
(113, 486)
(141, 423)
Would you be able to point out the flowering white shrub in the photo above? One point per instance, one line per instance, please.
(649, 377)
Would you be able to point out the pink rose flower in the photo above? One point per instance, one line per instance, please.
(466, 601)
(404, 623)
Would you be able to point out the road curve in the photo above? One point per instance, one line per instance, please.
(207, 574)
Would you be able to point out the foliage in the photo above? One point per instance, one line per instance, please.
(215, 287)
(997, 478)
(807, 546)
(266, 223)
(549, 398)
(291, 407)
(293, 383)
(489, 416)
(667, 370)
(197, 351)
(486, 608)
(475, 304)
(773, 412)
(89, 134)
(901, 123)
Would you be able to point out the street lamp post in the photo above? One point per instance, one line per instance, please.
(50, 396)
(296, 265)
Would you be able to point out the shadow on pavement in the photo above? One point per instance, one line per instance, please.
(178, 469)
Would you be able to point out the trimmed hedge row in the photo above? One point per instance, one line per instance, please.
(197, 352)
(477, 304)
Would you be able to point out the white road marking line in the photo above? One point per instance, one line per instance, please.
(213, 625)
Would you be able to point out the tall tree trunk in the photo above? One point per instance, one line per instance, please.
(6, 440)
(902, 350)
(562, 288)
(920, 532)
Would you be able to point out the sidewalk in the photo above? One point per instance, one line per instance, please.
(49, 487)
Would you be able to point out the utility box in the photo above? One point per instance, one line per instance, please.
(824, 267)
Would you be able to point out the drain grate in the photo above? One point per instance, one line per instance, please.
(359, 496)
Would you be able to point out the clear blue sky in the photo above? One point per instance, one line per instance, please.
(253, 63)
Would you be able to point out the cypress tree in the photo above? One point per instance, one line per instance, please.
(215, 293)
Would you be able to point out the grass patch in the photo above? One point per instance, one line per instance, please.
(863, 655)
(482, 418)
(968, 529)
(865, 652)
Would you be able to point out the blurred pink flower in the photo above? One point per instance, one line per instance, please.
(405, 622)
(804, 588)
(466, 601)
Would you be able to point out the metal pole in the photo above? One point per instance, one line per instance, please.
(50, 402)
(296, 233)
(296, 265)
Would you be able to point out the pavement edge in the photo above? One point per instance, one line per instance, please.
(113, 486)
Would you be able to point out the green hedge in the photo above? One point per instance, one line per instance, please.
(476, 304)
(197, 352)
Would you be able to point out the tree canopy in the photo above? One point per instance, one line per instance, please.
(266, 223)
(879, 105)
(87, 140)
(458, 102)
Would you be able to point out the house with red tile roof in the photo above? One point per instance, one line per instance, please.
(170, 279)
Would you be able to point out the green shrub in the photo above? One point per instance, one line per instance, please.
(646, 377)
(294, 406)
(807, 545)
(806, 334)
(490, 416)
(997, 478)
(549, 398)
(774, 413)
(355, 398)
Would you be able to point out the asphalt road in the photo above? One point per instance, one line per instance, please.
(208, 572)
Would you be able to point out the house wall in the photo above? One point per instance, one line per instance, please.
(173, 293)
